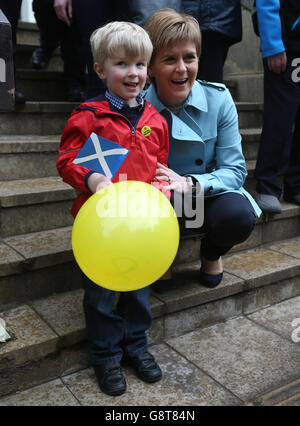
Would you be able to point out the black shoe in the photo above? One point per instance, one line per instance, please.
(145, 367)
(76, 94)
(19, 98)
(295, 199)
(209, 280)
(40, 58)
(111, 379)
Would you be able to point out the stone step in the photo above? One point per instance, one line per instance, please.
(48, 334)
(40, 153)
(34, 204)
(250, 142)
(247, 87)
(23, 55)
(250, 114)
(29, 156)
(28, 33)
(36, 265)
(37, 118)
(49, 118)
(34, 156)
(31, 205)
(41, 85)
(27, 255)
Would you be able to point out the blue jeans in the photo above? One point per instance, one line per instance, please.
(115, 330)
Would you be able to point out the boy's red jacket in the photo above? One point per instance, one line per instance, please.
(148, 143)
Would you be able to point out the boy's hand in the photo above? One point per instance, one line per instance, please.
(96, 182)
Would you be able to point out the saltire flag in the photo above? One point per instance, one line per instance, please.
(101, 155)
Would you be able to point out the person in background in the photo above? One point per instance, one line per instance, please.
(11, 9)
(221, 26)
(279, 149)
(57, 28)
(92, 14)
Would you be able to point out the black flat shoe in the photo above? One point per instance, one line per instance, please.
(210, 280)
(145, 367)
(110, 379)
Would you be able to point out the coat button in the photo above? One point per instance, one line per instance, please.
(199, 162)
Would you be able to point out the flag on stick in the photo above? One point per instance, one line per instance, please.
(101, 155)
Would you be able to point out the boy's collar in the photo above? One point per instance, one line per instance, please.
(120, 103)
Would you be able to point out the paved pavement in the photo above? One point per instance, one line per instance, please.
(247, 360)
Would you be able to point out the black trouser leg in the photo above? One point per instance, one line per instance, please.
(214, 52)
(281, 103)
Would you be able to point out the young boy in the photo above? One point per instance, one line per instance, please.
(121, 53)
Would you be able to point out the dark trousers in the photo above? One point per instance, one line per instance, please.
(90, 15)
(54, 32)
(279, 150)
(229, 219)
(11, 9)
(115, 328)
(214, 53)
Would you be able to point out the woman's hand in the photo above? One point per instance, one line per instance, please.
(96, 182)
(176, 182)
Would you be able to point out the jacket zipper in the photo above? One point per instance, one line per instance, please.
(132, 128)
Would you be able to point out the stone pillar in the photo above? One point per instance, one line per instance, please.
(7, 83)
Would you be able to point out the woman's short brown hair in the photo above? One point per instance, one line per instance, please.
(167, 26)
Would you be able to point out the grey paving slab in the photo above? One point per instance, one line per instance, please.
(42, 248)
(182, 384)
(283, 318)
(32, 337)
(64, 314)
(53, 393)
(241, 355)
(10, 260)
(290, 247)
(261, 266)
(30, 191)
(188, 292)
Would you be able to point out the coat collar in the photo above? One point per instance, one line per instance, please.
(196, 99)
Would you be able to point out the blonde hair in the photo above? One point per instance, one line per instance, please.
(106, 41)
(167, 26)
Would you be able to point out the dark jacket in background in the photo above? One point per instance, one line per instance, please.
(221, 16)
(290, 17)
(140, 10)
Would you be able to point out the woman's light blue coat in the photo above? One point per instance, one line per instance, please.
(205, 141)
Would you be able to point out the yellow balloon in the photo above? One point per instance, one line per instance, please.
(126, 236)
